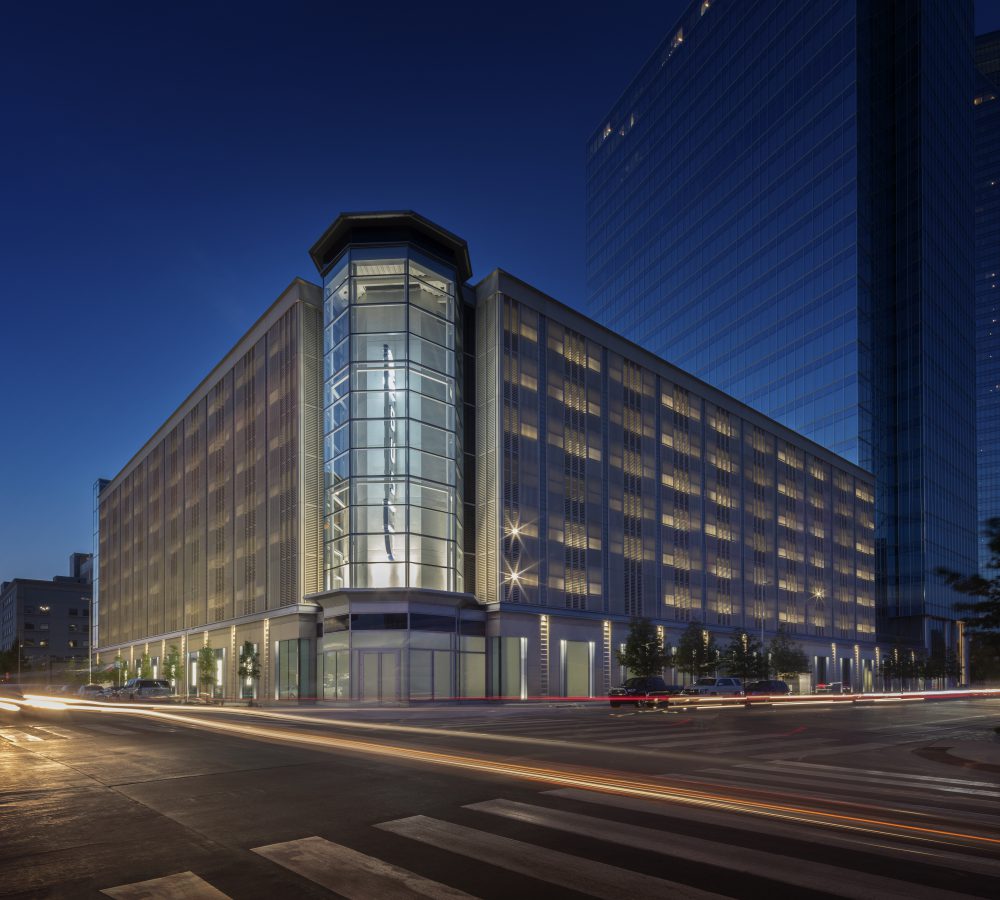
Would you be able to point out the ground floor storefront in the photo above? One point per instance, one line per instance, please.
(415, 646)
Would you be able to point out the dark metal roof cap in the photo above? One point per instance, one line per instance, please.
(403, 226)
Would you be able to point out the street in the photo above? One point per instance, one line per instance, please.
(556, 801)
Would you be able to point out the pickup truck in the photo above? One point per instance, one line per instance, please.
(649, 690)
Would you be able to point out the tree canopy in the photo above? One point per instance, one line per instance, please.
(643, 652)
(984, 611)
(206, 668)
(696, 653)
(786, 658)
(743, 656)
(249, 661)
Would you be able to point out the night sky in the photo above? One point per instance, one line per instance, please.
(164, 170)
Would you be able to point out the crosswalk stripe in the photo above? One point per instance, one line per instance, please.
(773, 827)
(881, 774)
(808, 875)
(182, 886)
(897, 780)
(816, 788)
(738, 750)
(352, 874)
(824, 751)
(106, 729)
(596, 879)
(57, 733)
(683, 741)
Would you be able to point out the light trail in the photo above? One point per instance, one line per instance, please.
(586, 780)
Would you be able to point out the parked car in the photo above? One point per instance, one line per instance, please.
(715, 687)
(649, 690)
(766, 688)
(146, 689)
(91, 692)
(833, 687)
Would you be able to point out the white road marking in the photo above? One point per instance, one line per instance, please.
(107, 729)
(182, 886)
(576, 873)
(922, 782)
(806, 874)
(909, 776)
(793, 831)
(351, 874)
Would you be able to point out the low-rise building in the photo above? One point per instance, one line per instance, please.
(47, 623)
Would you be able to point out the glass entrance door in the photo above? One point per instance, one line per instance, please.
(379, 675)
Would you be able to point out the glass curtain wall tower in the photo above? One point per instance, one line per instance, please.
(392, 448)
(393, 473)
(781, 204)
(986, 110)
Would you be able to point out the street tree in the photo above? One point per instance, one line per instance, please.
(145, 666)
(696, 653)
(743, 657)
(206, 669)
(942, 666)
(786, 658)
(643, 651)
(249, 667)
(172, 665)
(984, 611)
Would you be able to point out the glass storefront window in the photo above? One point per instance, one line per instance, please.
(294, 669)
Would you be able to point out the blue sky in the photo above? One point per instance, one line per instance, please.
(166, 168)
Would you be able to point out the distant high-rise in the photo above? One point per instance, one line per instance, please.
(781, 203)
(986, 112)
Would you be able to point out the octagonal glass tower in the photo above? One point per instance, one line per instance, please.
(392, 412)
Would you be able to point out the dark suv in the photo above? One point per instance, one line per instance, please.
(770, 688)
(146, 689)
(649, 690)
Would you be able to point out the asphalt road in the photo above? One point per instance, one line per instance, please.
(889, 801)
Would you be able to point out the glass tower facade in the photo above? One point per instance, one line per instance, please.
(780, 204)
(986, 110)
(392, 421)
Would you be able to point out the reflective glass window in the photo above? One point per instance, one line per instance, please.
(431, 523)
(432, 384)
(432, 299)
(369, 492)
(433, 329)
(378, 318)
(375, 347)
(434, 578)
(432, 440)
(435, 468)
(377, 289)
(432, 411)
(432, 355)
(431, 271)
